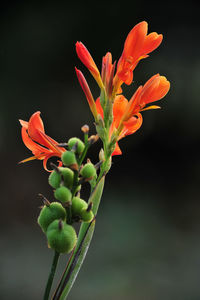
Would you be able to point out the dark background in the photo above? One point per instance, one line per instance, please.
(147, 240)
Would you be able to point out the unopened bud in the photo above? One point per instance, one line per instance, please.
(77, 144)
(54, 179)
(68, 176)
(61, 237)
(101, 155)
(93, 139)
(85, 129)
(87, 216)
(77, 205)
(63, 194)
(50, 213)
(88, 171)
(69, 160)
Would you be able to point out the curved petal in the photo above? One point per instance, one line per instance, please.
(99, 108)
(132, 125)
(35, 125)
(30, 144)
(119, 108)
(50, 143)
(46, 160)
(117, 150)
(135, 40)
(24, 123)
(152, 41)
(154, 89)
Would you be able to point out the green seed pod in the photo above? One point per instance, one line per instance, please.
(50, 213)
(54, 179)
(77, 205)
(61, 237)
(80, 145)
(69, 159)
(63, 194)
(86, 216)
(68, 176)
(88, 171)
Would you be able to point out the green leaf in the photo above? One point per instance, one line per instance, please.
(84, 238)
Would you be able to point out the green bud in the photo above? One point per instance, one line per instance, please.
(50, 213)
(77, 205)
(87, 216)
(61, 237)
(54, 179)
(88, 171)
(80, 145)
(80, 209)
(69, 160)
(63, 194)
(68, 176)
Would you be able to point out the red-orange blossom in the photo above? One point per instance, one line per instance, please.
(126, 114)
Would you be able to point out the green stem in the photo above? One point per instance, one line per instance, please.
(51, 275)
(79, 253)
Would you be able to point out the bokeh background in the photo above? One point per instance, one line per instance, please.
(147, 240)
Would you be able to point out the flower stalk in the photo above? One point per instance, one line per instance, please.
(115, 118)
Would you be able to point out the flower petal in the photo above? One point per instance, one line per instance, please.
(35, 125)
(30, 144)
(117, 150)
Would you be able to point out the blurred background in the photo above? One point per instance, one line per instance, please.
(147, 240)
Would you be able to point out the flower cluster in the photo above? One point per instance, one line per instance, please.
(122, 117)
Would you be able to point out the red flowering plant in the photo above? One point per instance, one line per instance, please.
(115, 118)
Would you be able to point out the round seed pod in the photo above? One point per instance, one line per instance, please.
(77, 205)
(69, 158)
(61, 237)
(80, 145)
(68, 176)
(88, 171)
(50, 213)
(63, 194)
(86, 216)
(54, 179)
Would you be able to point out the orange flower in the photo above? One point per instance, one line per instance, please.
(86, 58)
(42, 146)
(136, 47)
(127, 118)
(87, 92)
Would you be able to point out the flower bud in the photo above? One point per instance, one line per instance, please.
(69, 160)
(88, 171)
(68, 176)
(54, 179)
(49, 213)
(77, 205)
(87, 216)
(61, 237)
(77, 143)
(80, 209)
(63, 194)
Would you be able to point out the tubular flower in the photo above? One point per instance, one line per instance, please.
(122, 117)
(86, 58)
(127, 118)
(87, 92)
(42, 146)
(136, 47)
